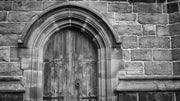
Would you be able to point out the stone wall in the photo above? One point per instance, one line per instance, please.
(149, 33)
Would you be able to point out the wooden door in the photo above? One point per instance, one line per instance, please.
(70, 67)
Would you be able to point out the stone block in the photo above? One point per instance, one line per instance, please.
(174, 18)
(174, 29)
(149, 29)
(6, 5)
(109, 16)
(100, 6)
(144, 1)
(125, 17)
(11, 96)
(120, 7)
(14, 54)
(9, 40)
(47, 4)
(152, 18)
(78, 0)
(126, 55)
(128, 29)
(3, 16)
(176, 68)
(116, 0)
(134, 68)
(156, 96)
(3, 66)
(117, 68)
(129, 42)
(154, 42)
(27, 78)
(55, 0)
(176, 54)
(162, 55)
(4, 54)
(25, 53)
(127, 97)
(10, 69)
(160, 1)
(116, 53)
(147, 8)
(172, 7)
(29, 5)
(171, 0)
(163, 30)
(25, 63)
(164, 8)
(11, 28)
(141, 55)
(175, 42)
(16, 16)
(177, 96)
(158, 68)
(14, 69)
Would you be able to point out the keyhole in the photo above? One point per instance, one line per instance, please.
(77, 83)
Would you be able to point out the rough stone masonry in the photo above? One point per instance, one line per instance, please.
(145, 68)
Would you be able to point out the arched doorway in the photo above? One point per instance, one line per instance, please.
(70, 67)
(87, 24)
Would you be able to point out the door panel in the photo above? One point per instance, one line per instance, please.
(69, 59)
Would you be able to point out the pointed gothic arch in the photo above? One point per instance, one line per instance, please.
(62, 16)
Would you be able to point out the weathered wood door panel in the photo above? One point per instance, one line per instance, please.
(70, 66)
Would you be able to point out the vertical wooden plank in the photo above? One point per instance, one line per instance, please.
(73, 57)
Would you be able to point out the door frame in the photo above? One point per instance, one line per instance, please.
(53, 19)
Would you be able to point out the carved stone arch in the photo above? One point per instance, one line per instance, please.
(68, 14)
(62, 16)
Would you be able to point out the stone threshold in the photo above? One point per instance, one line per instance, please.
(148, 83)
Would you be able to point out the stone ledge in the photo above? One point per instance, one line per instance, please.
(10, 78)
(11, 84)
(148, 83)
(14, 87)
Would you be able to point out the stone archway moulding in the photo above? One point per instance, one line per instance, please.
(62, 16)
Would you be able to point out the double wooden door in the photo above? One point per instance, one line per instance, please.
(70, 67)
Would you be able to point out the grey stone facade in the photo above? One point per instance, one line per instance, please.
(139, 46)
